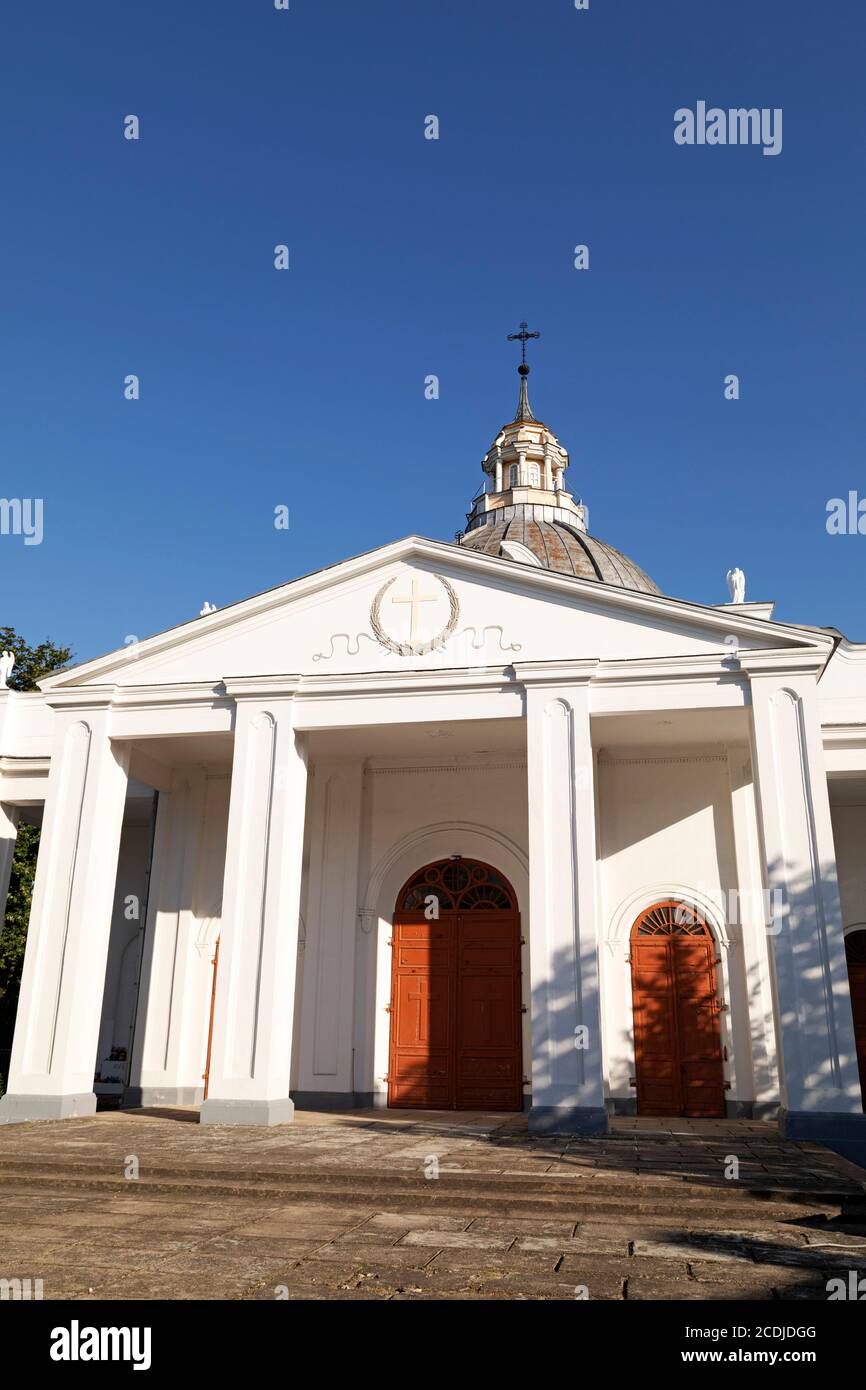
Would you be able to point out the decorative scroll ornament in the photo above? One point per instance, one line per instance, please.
(414, 647)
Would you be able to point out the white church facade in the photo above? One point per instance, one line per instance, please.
(490, 825)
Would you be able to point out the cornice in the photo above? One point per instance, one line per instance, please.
(844, 735)
(95, 697)
(24, 767)
(756, 664)
(404, 682)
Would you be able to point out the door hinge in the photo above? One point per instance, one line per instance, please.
(727, 1086)
(524, 1009)
(388, 1009)
(632, 1081)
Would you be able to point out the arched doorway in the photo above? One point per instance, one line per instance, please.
(677, 1036)
(855, 954)
(455, 991)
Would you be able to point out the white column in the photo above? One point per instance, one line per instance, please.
(54, 1050)
(162, 1071)
(326, 1070)
(567, 1075)
(820, 1085)
(498, 473)
(8, 835)
(753, 917)
(251, 1054)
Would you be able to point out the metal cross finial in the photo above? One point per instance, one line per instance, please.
(523, 338)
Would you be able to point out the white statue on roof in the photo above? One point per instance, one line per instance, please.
(737, 585)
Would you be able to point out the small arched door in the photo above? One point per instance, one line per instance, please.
(677, 1036)
(455, 991)
(855, 954)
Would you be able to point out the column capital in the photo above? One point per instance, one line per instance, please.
(261, 687)
(781, 665)
(556, 673)
(80, 699)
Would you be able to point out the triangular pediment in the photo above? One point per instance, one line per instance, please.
(420, 604)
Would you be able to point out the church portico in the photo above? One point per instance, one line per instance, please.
(618, 800)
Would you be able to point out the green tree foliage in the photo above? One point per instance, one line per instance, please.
(31, 663)
(14, 934)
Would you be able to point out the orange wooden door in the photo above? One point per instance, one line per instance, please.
(488, 1012)
(678, 1050)
(855, 952)
(455, 993)
(423, 1011)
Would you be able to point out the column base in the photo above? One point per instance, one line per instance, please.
(247, 1112)
(843, 1132)
(142, 1097)
(567, 1119)
(18, 1109)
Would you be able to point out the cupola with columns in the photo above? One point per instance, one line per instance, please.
(525, 512)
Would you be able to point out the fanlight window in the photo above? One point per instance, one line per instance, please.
(855, 947)
(670, 919)
(461, 885)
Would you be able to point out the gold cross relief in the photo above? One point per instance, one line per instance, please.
(415, 599)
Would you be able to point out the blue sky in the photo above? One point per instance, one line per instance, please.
(412, 257)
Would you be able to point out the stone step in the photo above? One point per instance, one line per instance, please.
(797, 1184)
(530, 1195)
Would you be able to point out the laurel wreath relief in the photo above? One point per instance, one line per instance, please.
(418, 648)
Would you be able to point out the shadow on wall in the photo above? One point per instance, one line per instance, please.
(811, 975)
(809, 968)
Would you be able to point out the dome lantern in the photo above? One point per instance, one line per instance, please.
(525, 510)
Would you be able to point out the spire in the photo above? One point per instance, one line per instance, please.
(524, 468)
(524, 409)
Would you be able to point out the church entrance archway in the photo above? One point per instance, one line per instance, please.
(455, 991)
(677, 1033)
(855, 954)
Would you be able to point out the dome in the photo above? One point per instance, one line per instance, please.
(525, 511)
(556, 545)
